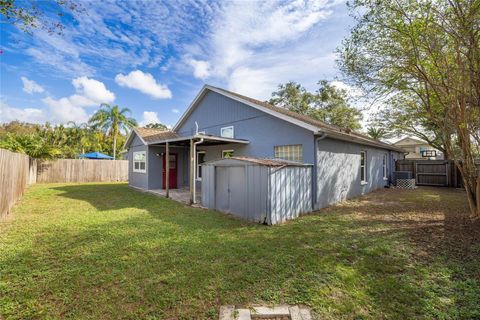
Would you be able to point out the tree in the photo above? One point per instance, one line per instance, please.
(376, 133)
(113, 121)
(292, 96)
(427, 53)
(332, 106)
(28, 16)
(403, 117)
(29, 144)
(156, 126)
(328, 103)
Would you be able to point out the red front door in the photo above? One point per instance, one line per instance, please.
(172, 177)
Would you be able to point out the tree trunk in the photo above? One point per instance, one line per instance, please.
(472, 188)
(114, 146)
(478, 196)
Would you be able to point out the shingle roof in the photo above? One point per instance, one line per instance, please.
(322, 126)
(151, 134)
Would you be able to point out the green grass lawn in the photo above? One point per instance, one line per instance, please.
(107, 251)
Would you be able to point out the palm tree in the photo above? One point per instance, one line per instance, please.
(79, 136)
(376, 133)
(112, 120)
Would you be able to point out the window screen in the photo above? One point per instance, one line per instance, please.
(140, 161)
(363, 166)
(200, 160)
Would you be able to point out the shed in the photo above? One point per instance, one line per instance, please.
(261, 190)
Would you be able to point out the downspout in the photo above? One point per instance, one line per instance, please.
(314, 175)
(194, 179)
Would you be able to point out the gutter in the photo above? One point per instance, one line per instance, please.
(195, 169)
(314, 173)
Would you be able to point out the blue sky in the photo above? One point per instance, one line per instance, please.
(153, 57)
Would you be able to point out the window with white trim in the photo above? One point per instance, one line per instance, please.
(293, 152)
(363, 167)
(227, 132)
(140, 161)
(200, 160)
(385, 172)
(227, 153)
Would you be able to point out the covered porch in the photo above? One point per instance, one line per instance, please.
(184, 161)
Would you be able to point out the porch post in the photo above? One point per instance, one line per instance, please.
(192, 178)
(167, 169)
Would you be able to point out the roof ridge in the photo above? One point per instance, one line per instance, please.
(306, 118)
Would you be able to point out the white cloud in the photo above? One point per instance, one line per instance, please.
(31, 115)
(149, 117)
(30, 86)
(93, 90)
(254, 46)
(201, 69)
(175, 110)
(118, 35)
(63, 110)
(144, 82)
(89, 93)
(351, 91)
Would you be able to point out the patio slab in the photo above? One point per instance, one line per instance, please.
(180, 195)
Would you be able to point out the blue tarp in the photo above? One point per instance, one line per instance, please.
(94, 155)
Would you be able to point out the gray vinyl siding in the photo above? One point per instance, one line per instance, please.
(155, 164)
(137, 179)
(264, 131)
(152, 179)
(338, 170)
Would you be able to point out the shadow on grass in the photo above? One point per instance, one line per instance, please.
(370, 258)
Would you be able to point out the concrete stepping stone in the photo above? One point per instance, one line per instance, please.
(280, 312)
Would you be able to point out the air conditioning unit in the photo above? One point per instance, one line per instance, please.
(401, 175)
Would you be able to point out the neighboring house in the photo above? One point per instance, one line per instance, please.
(221, 124)
(418, 150)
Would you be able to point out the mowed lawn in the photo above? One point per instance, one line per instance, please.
(105, 251)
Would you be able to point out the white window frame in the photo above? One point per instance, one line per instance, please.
(385, 167)
(198, 166)
(228, 150)
(133, 162)
(227, 128)
(363, 168)
(289, 148)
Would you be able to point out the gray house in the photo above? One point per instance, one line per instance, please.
(222, 124)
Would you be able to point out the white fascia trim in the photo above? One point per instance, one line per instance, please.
(130, 137)
(360, 140)
(190, 108)
(266, 110)
(251, 104)
(201, 136)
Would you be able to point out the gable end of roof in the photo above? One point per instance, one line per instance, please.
(306, 122)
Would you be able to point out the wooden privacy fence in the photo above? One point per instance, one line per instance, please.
(442, 173)
(19, 170)
(16, 172)
(82, 170)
